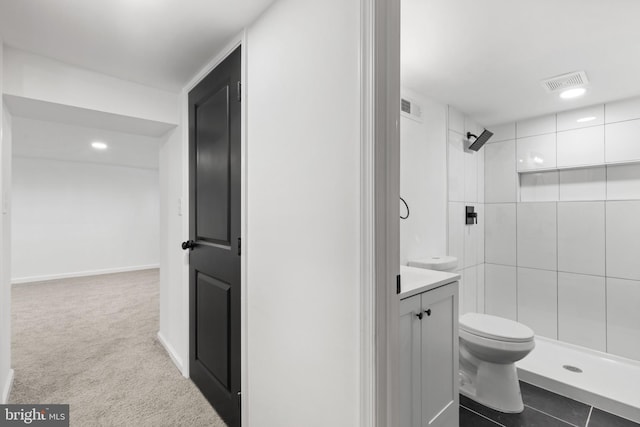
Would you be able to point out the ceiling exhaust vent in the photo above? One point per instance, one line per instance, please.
(566, 81)
(410, 109)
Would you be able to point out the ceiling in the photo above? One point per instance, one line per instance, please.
(60, 141)
(52, 112)
(160, 43)
(487, 58)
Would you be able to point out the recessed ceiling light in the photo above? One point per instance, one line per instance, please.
(572, 93)
(585, 119)
(99, 145)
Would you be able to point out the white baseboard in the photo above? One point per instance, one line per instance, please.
(172, 354)
(6, 390)
(29, 279)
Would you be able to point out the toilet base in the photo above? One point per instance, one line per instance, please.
(495, 386)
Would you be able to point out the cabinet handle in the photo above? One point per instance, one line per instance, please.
(428, 311)
(419, 316)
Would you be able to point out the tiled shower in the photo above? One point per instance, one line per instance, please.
(557, 244)
(562, 226)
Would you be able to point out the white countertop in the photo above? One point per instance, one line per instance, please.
(418, 280)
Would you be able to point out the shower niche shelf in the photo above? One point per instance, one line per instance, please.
(585, 166)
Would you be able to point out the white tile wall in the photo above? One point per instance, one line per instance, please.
(622, 141)
(581, 237)
(537, 301)
(468, 291)
(456, 167)
(539, 187)
(623, 239)
(575, 119)
(536, 126)
(456, 120)
(536, 236)
(470, 125)
(456, 232)
(623, 318)
(583, 184)
(480, 175)
(500, 291)
(536, 152)
(500, 233)
(583, 227)
(472, 240)
(500, 172)
(582, 310)
(466, 176)
(581, 147)
(480, 233)
(503, 132)
(470, 177)
(481, 288)
(626, 109)
(623, 182)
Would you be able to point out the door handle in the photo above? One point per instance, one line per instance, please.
(189, 244)
(428, 311)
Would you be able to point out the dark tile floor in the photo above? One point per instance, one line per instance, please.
(542, 408)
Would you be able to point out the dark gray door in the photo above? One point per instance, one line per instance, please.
(214, 231)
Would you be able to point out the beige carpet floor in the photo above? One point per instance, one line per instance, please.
(91, 342)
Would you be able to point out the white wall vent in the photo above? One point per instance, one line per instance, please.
(410, 109)
(566, 81)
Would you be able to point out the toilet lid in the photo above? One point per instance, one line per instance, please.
(497, 328)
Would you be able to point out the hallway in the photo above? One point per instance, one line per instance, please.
(91, 342)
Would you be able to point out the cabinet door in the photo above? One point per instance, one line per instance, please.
(410, 377)
(440, 357)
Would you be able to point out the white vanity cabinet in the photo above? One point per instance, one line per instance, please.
(429, 357)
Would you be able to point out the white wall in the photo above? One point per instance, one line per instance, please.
(174, 321)
(6, 373)
(423, 180)
(72, 219)
(301, 238)
(439, 177)
(303, 215)
(37, 77)
(562, 243)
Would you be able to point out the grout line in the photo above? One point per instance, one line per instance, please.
(606, 281)
(483, 416)
(556, 141)
(559, 419)
(562, 271)
(516, 214)
(557, 268)
(567, 201)
(589, 417)
(604, 143)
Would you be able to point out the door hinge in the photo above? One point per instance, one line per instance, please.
(239, 91)
(239, 246)
(398, 287)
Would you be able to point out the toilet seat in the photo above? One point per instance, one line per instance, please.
(495, 328)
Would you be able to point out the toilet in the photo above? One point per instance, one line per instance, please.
(489, 347)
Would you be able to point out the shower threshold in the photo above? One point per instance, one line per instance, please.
(605, 381)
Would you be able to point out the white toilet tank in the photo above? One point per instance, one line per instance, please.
(439, 263)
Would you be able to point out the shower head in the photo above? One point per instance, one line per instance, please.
(480, 140)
